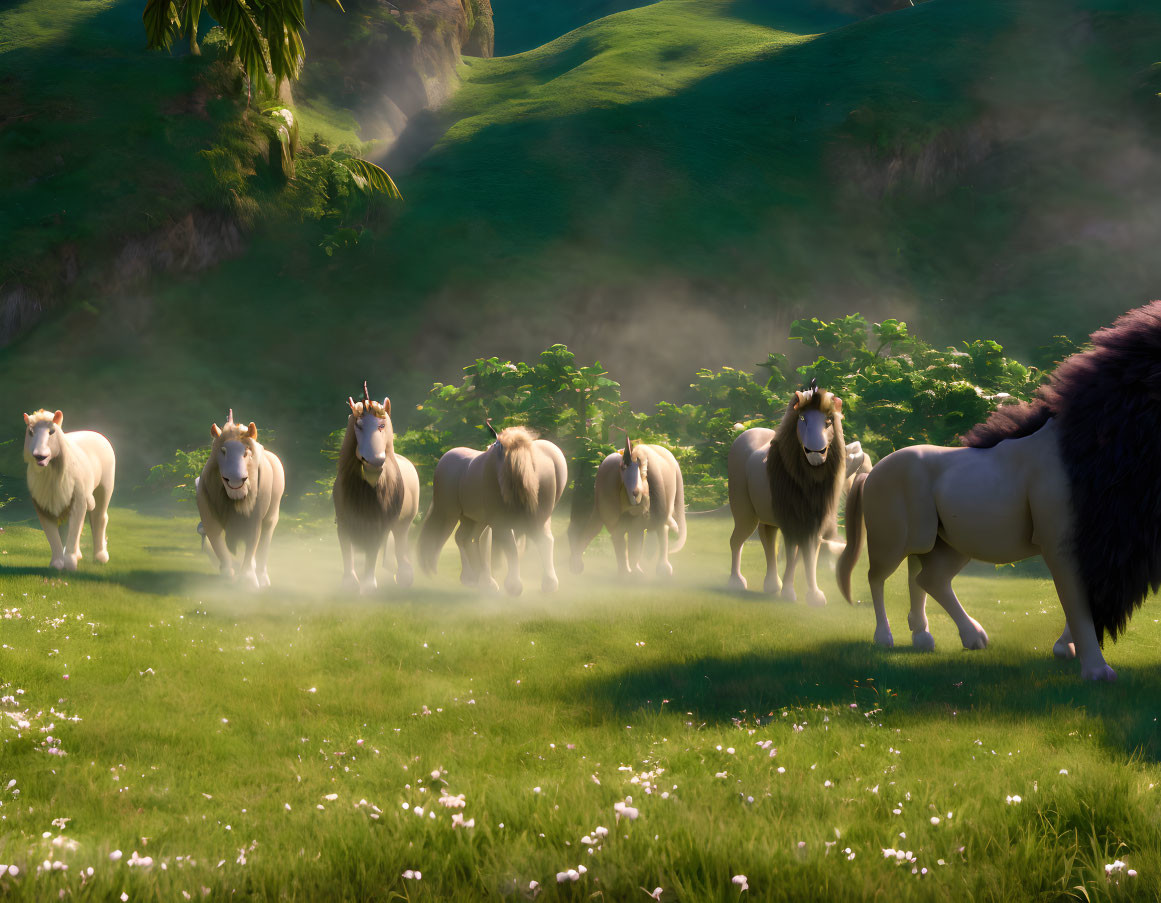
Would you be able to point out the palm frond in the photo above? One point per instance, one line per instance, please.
(243, 34)
(160, 19)
(368, 177)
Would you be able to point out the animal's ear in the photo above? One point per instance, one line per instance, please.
(838, 405)
(387, 405)
(797, 400)
(214, 430)
(27, 419)
(57, 417)
(351, 402)
(252, 432)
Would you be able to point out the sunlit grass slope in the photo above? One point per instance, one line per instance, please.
(706, 166)
(283, 746)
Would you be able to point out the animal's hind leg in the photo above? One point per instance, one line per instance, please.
(620, 550)
(768, 536)
(939, 567)
(664, 568)
(98, 523)
(636, 543)
(505, 542)
(544, 540)
(744, 524)
(404, 572)
(921, 637)
(467, 539)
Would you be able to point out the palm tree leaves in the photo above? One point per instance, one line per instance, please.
(368, 177)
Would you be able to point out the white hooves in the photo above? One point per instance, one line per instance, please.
(549, 584)
(405, 576)
(1100, 672)
(664, 569)
(368, 585)
(817, 598)
(102, 556)
(923, 641)
(57, 563)
(514, 587)
(264, 580)
(1064, 650)
(883, 637)
(783, 591)
(70, 562)
(974, 636)
(737, 581)
(251, 580)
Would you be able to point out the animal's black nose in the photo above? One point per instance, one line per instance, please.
(40, 457)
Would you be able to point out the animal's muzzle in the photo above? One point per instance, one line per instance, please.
(815, 458)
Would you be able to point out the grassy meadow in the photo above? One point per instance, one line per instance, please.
(295, 745)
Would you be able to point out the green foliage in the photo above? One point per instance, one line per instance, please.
(178, 475)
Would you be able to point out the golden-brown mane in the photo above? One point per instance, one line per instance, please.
(519, 484)
(367, 511)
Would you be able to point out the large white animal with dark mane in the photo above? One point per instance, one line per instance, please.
(239, 494)
(69, 475)
(510, 490)
(637, 489)
(788, 479)
(376, 494)
(1070, 477)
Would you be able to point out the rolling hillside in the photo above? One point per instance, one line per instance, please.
(667, 188)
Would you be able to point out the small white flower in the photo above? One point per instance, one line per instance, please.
(741, 881)
(415, 875)
(657, 891)
(935, 819)
(115, 855)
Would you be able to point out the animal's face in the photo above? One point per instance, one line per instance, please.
(816, 425)
(634, 477)
(42, 439)
(371, 435)
(238, 455)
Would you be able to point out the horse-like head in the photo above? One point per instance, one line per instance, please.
(374, 436)
(238, 456)
(635, 474)
(818, 411)
(42, 438)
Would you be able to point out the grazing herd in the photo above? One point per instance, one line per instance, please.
(1068, 476)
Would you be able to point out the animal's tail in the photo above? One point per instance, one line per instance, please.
(519, 483)
(679, 513)
(433, 534)
(856, 531)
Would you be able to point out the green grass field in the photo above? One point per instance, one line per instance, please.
(280, 746)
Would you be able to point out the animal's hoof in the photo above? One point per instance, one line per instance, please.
(102, 556)
(974, 637)
(549, 584)
(777, 588)
(817, 598)
(883, 637)
(57, 563)
(404, 577)
(514, 587)
(1064, 650)
(491, 585)
(1100, 672)
(251, 580)
(737, 581)
(70, 562)
(576, 565)
(264, 580)
(368, 586)
(923, 641)
(664, 569)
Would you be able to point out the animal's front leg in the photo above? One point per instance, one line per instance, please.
(620, 552)
(1065, 647)
(505, 541)
(809, 549)
(216, 537)
(1080, 623)
(636, 543)
(72, 549)
(52, 534)
(263, 552)
(249, 565)
(549, 581)
(347, 547)
(370, 561)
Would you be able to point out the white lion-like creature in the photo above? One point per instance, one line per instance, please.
(69, 475)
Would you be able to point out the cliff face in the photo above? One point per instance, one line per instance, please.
(386, 61)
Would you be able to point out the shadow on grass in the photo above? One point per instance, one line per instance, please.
(905, 684)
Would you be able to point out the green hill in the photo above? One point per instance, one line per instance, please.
(667, 188)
